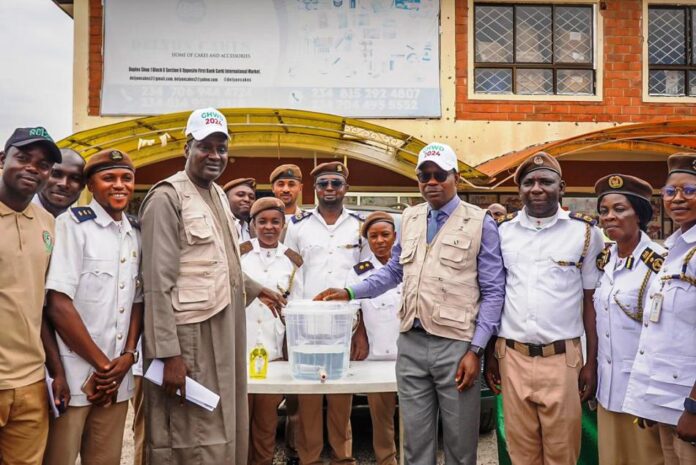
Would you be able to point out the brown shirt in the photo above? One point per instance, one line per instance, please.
(27, 242)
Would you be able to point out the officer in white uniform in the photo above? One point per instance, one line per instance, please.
(95, 304)
(663, 377)
(381, 318)
(273, 265)
(329, 241)
(630, 265)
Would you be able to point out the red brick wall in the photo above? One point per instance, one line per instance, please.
(622, 71)
(96, 62)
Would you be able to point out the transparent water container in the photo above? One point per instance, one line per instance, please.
(318, 335)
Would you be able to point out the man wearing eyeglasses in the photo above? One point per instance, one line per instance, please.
(448, 257)
(329, 240)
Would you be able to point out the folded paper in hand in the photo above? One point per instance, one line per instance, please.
(195, 392)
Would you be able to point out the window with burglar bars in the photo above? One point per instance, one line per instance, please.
(672, 51)
(534, 49)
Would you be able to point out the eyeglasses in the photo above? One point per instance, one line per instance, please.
(439, 175)
(335, 184)
(688, 191)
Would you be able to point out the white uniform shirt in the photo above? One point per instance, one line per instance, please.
(664, 370)
(381, 316)
(96, 263)
(618, 333)
(243, 230)
(272, 269)
(543, 299)
(329, 251)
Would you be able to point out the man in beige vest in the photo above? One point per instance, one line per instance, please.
(195, 295)
(449, 260)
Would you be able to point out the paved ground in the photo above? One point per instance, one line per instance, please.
(362, 445)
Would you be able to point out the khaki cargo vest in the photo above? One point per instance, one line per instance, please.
(203, 286)
(441, 279)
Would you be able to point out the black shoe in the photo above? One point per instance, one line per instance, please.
(292, 461)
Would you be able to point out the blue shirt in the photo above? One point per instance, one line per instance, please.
(491, 275)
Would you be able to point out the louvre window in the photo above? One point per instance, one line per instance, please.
(533, 49)
(671, 51)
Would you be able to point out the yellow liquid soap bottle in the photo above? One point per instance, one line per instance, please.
(258, 361)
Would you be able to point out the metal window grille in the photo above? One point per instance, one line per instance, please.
(534, 49)
(672, 51)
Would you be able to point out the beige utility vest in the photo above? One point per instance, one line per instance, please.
(441, 279)
(203, 286)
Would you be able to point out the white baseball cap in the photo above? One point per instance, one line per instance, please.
(440, 154)
(206, 121)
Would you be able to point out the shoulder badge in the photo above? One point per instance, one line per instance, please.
(357, 216)
(300, 216)
(82, 214)
(245, 247)
(603, 258)
(294, 257)
(652, 259)
(363, 267)
(133, 220)
(505, 218)
(582, 217)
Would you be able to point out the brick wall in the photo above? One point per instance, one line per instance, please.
(622, 72)
(96, 62)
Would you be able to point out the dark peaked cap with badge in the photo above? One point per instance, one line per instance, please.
(106, 160)
(538, 161)
(332, 167)
(682, 162)
(286, 172)
(375, 217)
(251, 182)
(623, 184)
(267, 203)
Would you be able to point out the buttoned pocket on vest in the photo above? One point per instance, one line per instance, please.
(408, 251)
(454, 317)
(95, 279)
(198, 230)
(454, 251)
(195, 287)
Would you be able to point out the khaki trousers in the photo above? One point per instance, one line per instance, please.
(310, 437)
(676, 451)
(263, 421)
(541, 405)
(292, 423)
(96, 433)
(23, 424)
(138, 422)
(621, 442)
(382, 408)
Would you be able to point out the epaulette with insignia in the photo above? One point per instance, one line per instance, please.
(300, 216)
(652, 259)
(357, 216)
(245, 247)
(294, 257)
(82, 214)
(133, 220)
(363, 267)
(603, 258)
(582, 217)
(505, 218)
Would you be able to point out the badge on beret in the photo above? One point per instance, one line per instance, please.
(339, 169)
(615, 182)
(693, 164)
(116, 155)
(538, 160)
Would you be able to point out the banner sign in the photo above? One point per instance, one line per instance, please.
(359, 58)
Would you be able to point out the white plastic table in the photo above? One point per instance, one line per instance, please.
(362, 378)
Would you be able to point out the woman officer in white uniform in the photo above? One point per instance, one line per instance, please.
(662, 386)
(630, 265)
(382, 324)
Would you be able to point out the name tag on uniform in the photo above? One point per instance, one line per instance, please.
(656, 307)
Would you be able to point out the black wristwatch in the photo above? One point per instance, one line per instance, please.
(478, 351)
(690, 405)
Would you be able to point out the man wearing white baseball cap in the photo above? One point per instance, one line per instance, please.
(195, 297)
(448, 257)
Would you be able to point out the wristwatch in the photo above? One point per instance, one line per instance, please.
(134, 353)
(478, 351)
(690, 405)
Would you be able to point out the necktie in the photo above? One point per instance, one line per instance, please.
(432, 225)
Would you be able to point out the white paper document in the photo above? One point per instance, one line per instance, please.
(195, 392)
(51, 399)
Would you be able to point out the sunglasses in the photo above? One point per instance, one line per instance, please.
(335, 184)
(439, 175)
(688, 191)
